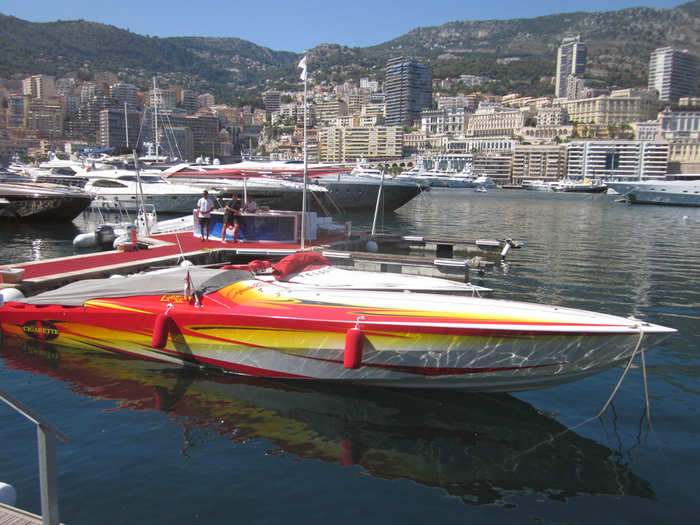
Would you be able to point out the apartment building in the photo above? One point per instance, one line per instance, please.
(347, 144)
(39, 86)
(617, 160)
(351, 121)
(162, 98)
(538, 163)
(17, 106)
(496, 165)
(205, 100)
(124, 93)
(473, 80)
(415, 142)
(328, 110)
(370, 85)
(46, 115)
(368, 110)
(468, 102)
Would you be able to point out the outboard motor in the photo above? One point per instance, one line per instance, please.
(104, 235)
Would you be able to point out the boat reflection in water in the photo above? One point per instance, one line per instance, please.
(477, 447)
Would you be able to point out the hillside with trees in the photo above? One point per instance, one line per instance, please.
(517, 55)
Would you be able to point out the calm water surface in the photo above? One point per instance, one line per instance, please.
(151, 444)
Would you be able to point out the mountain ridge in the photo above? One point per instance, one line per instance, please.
(619, 43)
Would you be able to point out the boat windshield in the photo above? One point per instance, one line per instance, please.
(204, 280)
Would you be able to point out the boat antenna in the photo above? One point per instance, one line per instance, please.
(303, 76)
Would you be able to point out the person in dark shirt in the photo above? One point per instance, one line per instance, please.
(231, 212)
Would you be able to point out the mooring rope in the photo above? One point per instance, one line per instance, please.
(619, 383)
(607, 403)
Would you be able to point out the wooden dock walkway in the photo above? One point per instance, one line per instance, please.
(14, 516)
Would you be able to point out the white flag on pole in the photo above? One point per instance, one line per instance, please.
(302, 65)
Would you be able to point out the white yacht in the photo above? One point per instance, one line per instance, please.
(278, 184)
(671, 192)
(536, 185)
(120, 189)
(450, 170)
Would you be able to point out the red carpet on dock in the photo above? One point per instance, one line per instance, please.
(177, 243)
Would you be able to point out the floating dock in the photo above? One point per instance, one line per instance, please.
(391, 253)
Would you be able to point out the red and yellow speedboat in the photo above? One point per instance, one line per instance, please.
(229, 320)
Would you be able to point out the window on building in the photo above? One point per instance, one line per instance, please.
(612, 160)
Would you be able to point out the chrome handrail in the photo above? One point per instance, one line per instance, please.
(46, 439)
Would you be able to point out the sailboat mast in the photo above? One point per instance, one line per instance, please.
(155, 109)
(126, 126)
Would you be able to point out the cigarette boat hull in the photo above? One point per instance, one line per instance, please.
(379, 338)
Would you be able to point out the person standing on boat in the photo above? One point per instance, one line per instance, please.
(231, 212)
(204, 207)
(250, 206)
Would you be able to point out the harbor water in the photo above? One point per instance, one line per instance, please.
(152, 444)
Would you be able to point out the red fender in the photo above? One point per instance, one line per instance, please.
(161, 330)
(354, 340)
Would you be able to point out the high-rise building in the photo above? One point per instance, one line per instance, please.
(408, 88)
(114, 126)
(39, 86)
(46, 115)
(672, 73)
(189, 102)
(17, 106)
(571, 60)
(272, 100)
(124, 93)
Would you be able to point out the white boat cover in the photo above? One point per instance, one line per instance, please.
(204, 280)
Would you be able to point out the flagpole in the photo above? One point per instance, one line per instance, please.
(306, 168)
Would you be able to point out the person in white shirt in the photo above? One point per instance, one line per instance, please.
(250, 205)
(204, 207)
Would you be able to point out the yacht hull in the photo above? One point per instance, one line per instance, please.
(38, 203)
(665, 192)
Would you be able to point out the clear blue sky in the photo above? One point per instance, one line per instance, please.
(296, 26)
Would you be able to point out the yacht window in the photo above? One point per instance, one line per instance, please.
(144, 178)
(106, 183)
(63, 171)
